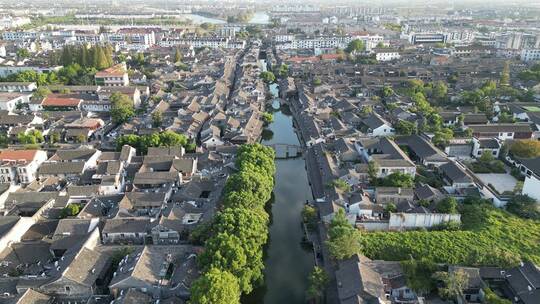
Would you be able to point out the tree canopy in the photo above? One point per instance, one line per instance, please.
(525, 148)
(240, 229)
(524, 206)
(398, 179)
(268, 76)
(215, 287)
(162, 139)
(356, 45)
(122, 108)
(447, 205)
(343, 241)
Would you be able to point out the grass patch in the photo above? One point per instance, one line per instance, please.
(490, 237)
(532, 109)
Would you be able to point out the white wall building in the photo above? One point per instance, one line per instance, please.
(386, 55)
(20, 166)
(528, 55)
(9, 101)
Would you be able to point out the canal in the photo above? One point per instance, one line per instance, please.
(287, 262)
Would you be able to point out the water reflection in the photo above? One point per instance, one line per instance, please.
(287, 261)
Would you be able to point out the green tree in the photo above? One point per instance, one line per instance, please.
(524, 206)
(398, 179)
(54, 137)
(225, 252)
(283, 70)
(215, 287)
(249, 225)
(525, 148)
(41, 93)
(343, 241)
(85, 57)
(23, 53)
(387, 91)
(390, 208)
(67, 57)
(177, 55)
(70, 210)
(356, 45)
(442, 137)
(267, 117)
(157, 119)
(33, 137)
(340, 184)
(101, 59)
(447, 205)
(310, 217)
(404, 127)
(493, 298)
(318, 280)
(267, 76)
(122, 108)
(440, 90)
(373, 171)
(419, 275)
(505, 74)
(453, 284)
(139, 59)
(317, 81)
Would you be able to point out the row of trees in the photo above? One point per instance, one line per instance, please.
(161, 139)
(72, 74)
(233, 258)
(96, 56)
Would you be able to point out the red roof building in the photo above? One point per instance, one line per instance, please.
(61, 102)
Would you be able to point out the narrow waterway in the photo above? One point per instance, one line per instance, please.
(287, 262)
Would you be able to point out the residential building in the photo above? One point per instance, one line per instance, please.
(114, 76)
(11, 101)
(529, 55)
(20, 166)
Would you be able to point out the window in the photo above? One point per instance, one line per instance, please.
(68, 289)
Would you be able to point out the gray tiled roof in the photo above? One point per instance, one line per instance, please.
(61, 168)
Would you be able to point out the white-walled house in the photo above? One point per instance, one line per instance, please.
(386, 54)
(530, 168)
(490, 145)
(10, 100)
(531, 186)
(20, 166)
(375, 125)
(17, 86)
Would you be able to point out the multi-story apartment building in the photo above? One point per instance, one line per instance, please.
(530, 55)
(16, 35)
(204, 42)
(132, 38)
(113, 77)
(20, 166)
(316, 43)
